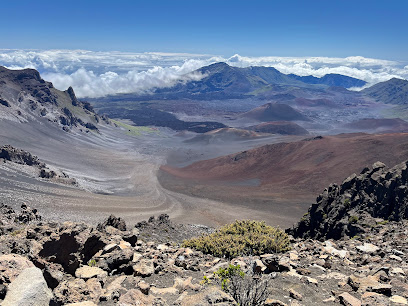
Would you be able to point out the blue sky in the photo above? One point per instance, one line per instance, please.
(376, 29)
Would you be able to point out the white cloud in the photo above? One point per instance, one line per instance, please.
(86, 83)
(367, 69)
(95, 74)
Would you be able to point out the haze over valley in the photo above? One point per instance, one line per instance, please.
(121, 149)
(203, 153)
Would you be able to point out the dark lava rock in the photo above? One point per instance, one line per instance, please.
(117, 223)
(44, 173)
(71, 94)
(74, 244)
(19, 156)
(346, 210)
(27, 215)
(4, 103)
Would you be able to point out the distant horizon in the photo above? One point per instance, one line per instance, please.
(101, 73)
(294, 28)
(184, 52)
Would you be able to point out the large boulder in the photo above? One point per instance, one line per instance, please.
(210, 296)
(77, 290)
(19, 156)
(28, 289)
(144, 268)
(11, 265)
(135, 297)
(87, 272)
(113, 221)
(74, 244)
(346, 209)
(118, 261)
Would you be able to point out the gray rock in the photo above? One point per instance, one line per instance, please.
(87, 303)
(367, 248)
(348, 300)
(11, 265)
(258, 266)
(144, 268)
(87, 272)
(294, 294)
(28, 289)
(210, 296)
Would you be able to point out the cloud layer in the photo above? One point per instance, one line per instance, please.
(96, 74)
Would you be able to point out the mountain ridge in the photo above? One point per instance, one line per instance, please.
(235, 81)
(25, 96)
(393, 91)
(331, 79)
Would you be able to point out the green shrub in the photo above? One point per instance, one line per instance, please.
(347, 202)
(16, 232)
(304, 217)
(353, 219)
(246, 289)
(92, 263)
(225, 275)
(243, 237)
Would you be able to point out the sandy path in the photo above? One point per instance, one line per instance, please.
(117, 174)
(57, 202)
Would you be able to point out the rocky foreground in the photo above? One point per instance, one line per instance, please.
(48, 263)
(45, 263)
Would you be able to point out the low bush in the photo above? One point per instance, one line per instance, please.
(246, 289)
(382, 222)
(353, 219)
(243, 237)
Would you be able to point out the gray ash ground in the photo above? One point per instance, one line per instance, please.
(163, 230)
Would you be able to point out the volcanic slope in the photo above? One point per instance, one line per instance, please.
(224, 135)
(279, 127)
(394, 125)
(275, 112)
(25, 97)
(115, 167)
(234, 81)
(295, 170)
(331, 79)
(394, 91)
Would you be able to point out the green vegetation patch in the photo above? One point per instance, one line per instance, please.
(399, 111)
(135, 130)
(353, 219)
(382, 222)
(246, 289)
(244, 237)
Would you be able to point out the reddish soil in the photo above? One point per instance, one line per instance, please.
(394, 125)
(280, 127)
(304, 167)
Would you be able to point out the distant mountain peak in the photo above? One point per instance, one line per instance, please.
(222, 81)
(275, 112)
(216, 67)
(393, 91)
(331, 79)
